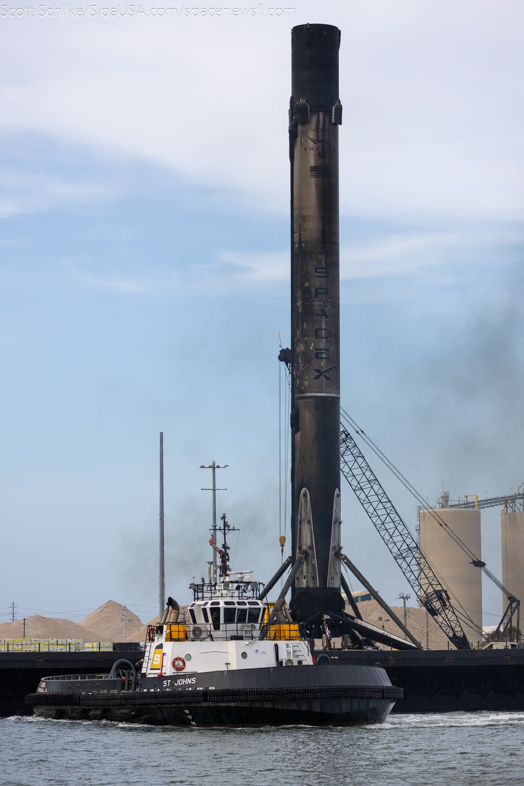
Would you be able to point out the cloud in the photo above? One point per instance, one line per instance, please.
(27, 193)
(256, 268)
(433, 110)
(396, 255)
(399, 255)
(110, 283)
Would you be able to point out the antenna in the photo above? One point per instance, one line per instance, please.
(224, 554)
(214, 466)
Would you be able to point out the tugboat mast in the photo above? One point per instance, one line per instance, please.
(223, 553)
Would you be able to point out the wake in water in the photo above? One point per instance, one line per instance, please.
(452, 720)
(463, 749)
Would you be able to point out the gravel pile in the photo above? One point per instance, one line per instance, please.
(38, 627)
(107, 622)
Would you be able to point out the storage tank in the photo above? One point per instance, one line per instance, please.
(512, 531)
(464, 580)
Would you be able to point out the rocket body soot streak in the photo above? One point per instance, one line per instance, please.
(315, 116)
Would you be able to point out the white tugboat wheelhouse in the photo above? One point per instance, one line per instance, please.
(226, 627)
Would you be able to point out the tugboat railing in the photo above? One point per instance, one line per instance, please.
(202, 631)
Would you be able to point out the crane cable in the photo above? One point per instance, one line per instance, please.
(283, 474)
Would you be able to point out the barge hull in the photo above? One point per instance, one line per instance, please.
(439, 681)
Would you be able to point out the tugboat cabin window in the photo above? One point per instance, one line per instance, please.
(215, 617)
(241, 615)
(229, 616)
(204, 612)
(253, 615)
(192, 614)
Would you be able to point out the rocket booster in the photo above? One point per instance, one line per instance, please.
(315, 115)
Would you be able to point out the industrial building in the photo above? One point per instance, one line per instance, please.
(449, 560)
(512, 541)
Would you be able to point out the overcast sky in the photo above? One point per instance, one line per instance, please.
(144, 196)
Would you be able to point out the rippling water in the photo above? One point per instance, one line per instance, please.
(456, 748)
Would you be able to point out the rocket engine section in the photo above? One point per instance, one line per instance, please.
(315, 115)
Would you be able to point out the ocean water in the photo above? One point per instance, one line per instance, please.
(452, 749)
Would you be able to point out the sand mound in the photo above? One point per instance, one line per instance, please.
(38, 627)
(108, 624)
(140, 633)
(372, 612)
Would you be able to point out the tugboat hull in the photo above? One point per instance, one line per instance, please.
(316, 696)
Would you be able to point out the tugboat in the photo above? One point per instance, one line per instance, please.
(234, 661)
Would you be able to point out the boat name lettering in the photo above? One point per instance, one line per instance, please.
(181, 681)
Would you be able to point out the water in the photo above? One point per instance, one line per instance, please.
(456, 748)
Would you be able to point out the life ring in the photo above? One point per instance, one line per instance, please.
(179, 664)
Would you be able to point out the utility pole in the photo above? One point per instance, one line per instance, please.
(13, 607)
(24, 626)
(161, 573)
(404, 598)
(214, 489)
(125, 619)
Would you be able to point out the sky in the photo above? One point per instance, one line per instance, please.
(144, 269)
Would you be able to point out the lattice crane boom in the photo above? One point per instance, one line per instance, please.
(430, 591)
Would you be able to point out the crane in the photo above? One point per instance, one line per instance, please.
(431, 591)
(403, 546)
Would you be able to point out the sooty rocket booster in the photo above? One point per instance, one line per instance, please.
(315, 115)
